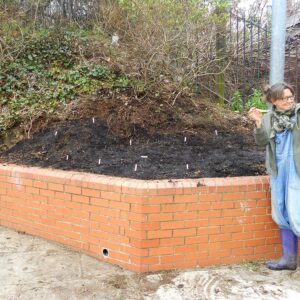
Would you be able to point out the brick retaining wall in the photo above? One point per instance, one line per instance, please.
(143, 225)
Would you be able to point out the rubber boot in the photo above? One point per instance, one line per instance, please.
(289, 244)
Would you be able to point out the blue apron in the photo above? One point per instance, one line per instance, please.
(285, 187)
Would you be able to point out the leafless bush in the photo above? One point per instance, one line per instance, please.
(160, 42)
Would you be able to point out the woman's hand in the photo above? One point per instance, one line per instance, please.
(255, 114)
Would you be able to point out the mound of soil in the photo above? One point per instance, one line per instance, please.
(90, 146)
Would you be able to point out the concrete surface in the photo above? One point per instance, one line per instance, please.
(32, 268)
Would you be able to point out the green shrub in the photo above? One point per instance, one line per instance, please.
(236, 103)
(256, 100)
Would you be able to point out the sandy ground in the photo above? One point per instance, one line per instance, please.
(32, 268)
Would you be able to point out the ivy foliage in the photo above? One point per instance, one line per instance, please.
(46, 73)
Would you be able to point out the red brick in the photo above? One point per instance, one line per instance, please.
(134, 251)
(196, 223)
(245, 205)
(197, 239)
(254, 227)
(119, 205)
(73, 189)
(151, 260)
(272, 240)
(77, 205)
(220, 237)
(232, 244)
(55, 187)
(256, 211)
(56, 202)
(232, 228)
(119, 222)
(256, 195)
(209, 214)
(32, 190)
(221, 221)
(198, 206)
(222, 205)
(187, 264)
(243, 220)
(119, 256)
(160, 217)
(234, 196)
(110, 196)
(263, 219)
(255, 243)
(101, 235)
(161, 251)
(144, 243)
(171, 259)
(242, 251)
(242, 236)
(161, 199)
(184, 232)
(90, 193)
(186, 249)
(63, 196)
(160, 267)
(209, 230)
(145, 226)
(264, 249)
(173, 207)
(145, 208)
(99, 202)
(210, 197)
(220, 253)
(232, 213)
(135, 199)
(172, 225)
(263, 234)
(40, 184)
(185, 198)
(186, 215)
(134, 217)
(109, 228)
(138, 234)
(137, 227)
(27, 182)
(159, 234)
(80, 199)
(171, 242)
(115, 213)
(263, 203)
(41, 199)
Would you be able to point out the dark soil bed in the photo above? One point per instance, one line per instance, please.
(86, 146)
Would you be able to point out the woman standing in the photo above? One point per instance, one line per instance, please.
(279, 131)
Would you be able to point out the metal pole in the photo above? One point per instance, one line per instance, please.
(278, 41)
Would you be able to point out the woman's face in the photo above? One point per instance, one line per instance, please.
(286, 102)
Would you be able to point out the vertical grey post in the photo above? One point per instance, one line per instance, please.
(278, 41)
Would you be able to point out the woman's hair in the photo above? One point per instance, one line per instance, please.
(276, 91)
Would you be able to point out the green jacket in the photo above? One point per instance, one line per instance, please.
(262, 138)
